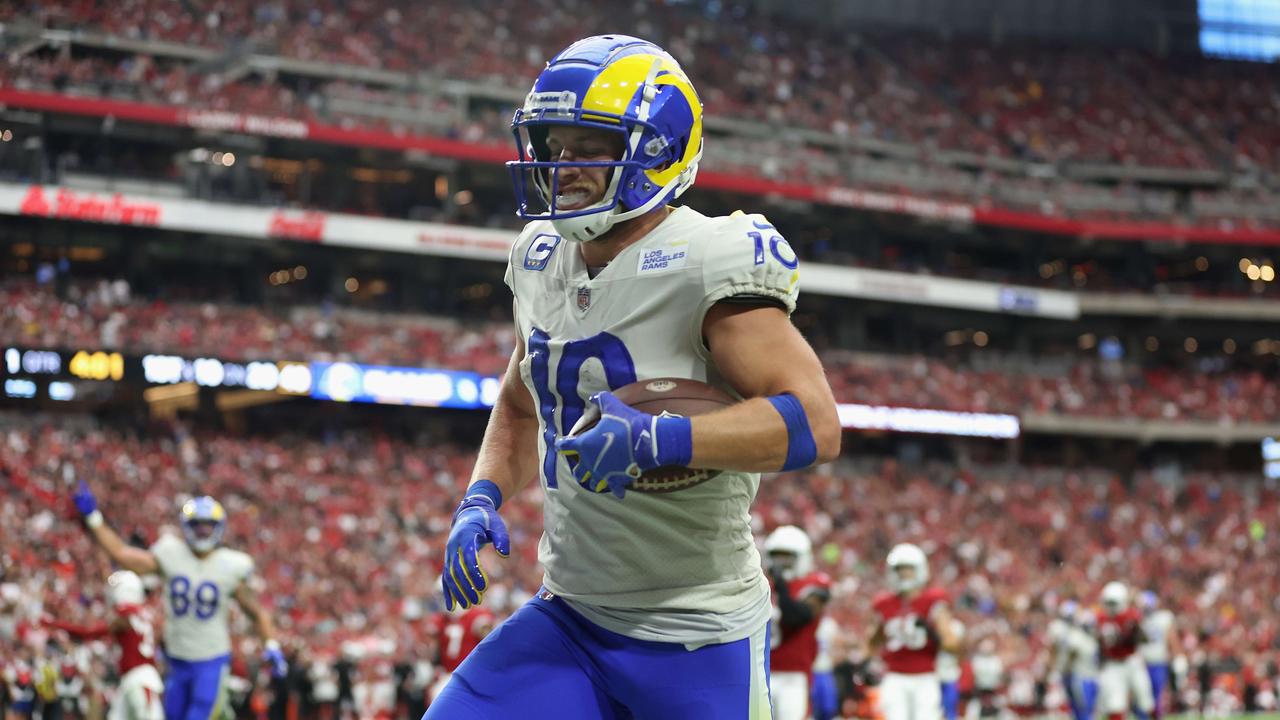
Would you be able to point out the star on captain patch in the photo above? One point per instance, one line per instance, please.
(584, 298)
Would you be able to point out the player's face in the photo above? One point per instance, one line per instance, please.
(203, 529)
(581, 187)
(905, 573)
(782, 560)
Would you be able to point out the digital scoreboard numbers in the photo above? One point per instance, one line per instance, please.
(82, 364)
(97, 365)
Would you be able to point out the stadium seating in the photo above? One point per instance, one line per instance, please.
(346, 534)
(926, 94)
(103, 314)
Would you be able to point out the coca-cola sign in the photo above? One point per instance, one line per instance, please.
(305, 226)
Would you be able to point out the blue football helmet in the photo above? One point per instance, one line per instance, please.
(620, 84)
(203, 523)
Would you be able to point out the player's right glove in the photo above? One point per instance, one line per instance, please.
(87, 505)
(273, 655)
(476, 523)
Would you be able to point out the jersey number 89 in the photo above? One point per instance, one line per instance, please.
(182, 599)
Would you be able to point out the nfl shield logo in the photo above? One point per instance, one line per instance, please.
(584, 298)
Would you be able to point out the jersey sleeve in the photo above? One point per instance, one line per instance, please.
(747, 258)
(936, 599)
(881, 605)
(241, 567)
(167, 550)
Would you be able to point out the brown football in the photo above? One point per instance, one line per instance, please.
(677, 396)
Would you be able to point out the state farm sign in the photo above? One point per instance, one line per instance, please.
(86, 206)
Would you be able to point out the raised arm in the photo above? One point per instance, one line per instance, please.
(126, 556)
(78, 632)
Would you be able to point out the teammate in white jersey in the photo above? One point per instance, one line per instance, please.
(1160, 647)
(947, 668)
(1082, 663)
(1058, 637)
(199, 576)
(654, 605)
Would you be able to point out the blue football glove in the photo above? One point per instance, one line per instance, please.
(476, 523)
(275, 656)
(623, 444)
(85, 502)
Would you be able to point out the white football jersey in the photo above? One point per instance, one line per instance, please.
(1059, 644)
(197, 592)
(641, 317)
(1156, 626)
(826, 634)
(1084, 648)
(947, 666)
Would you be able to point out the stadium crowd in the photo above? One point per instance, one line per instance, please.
(925, 96)
(346, 533)
(105, 314)
(1056, 104)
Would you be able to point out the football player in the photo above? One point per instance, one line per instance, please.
(824, 697)
(1061, 629)
(1123, 682)
(800, 595)
(133, 628)
(948, 669)
(1082, 662)
(914, 625)
(456, 637)
(653, 605)
(199, 577)
(1161, 645)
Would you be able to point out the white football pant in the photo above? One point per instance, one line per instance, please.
(789, 692)
(1124, 684)
(138, 697)
(916, 696)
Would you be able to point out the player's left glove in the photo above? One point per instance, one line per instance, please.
(624, 443)
(275, 656)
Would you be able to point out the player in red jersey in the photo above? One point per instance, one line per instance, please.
(456, 637)
(915, 623)
(1124, 681)
(799, 596)
(133, 628)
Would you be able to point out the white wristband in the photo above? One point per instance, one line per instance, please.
(93, 519)
(272, 644)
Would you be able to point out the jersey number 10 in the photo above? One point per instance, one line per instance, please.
(619, 370)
